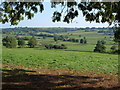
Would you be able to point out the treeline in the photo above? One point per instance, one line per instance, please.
(43, 35)
(82, 41)
(37, 30)
(66, 38)
(50, 46)
(23, 30)
(21, 42)
(12, 42)
(106, 32)
(100, 47)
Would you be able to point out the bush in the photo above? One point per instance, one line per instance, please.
(56, 46)
(32, 42)
(81, 41)
(117, 51)
(62, 44)
(21, 43)
(77, 40)
(114, 50)
(55, 39)
(63, 47)
(9, 42)
(103, 42)
(99, 47)
(50, 46)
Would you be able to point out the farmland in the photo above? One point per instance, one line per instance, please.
(60, 59)
(76, 57)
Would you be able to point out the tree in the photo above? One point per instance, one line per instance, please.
(103, 42)
(32, 42)
(62, 46)
(73, 40)
(9, 42)
(79, 35)
(81, 40)
(50, 46)
(99, 47)
(55, 38)
(85, 40)
(77, 40)
(113, 49)
(117, 35)
(14, 12)
(21, 43)
(44, 37)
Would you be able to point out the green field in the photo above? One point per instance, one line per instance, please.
(60, 59)
(77, 56)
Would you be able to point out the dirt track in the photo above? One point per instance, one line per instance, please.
(46, 79)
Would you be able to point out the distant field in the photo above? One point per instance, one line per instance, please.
(92, 37)
(61, 59)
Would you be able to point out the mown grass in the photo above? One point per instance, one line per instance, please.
(61, 59)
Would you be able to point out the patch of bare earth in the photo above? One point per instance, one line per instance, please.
(46, 79)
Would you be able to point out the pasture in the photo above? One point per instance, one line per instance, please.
(77, 66)
(61, 59)
(77, 56)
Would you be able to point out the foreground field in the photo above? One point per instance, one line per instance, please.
(15, 77)
(61, 59)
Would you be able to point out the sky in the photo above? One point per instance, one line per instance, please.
(44, 19)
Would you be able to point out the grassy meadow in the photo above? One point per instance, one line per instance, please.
(79, 57)
(61, 59)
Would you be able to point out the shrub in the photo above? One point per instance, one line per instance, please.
(50, 46)
(9, 42)
(114, 50)
(81, 41)
(21, 43)
(99, 47)
(32, 42)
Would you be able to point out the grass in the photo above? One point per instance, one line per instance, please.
(92, 37)
(60, 59)
(77, 56)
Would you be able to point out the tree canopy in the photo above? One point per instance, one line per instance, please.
(32, 42)
(14, 12)
(9, 42)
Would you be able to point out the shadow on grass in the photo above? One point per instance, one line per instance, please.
(79, 50)
(15, 72)
(28, 80)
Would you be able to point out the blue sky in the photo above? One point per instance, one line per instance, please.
(44, 20)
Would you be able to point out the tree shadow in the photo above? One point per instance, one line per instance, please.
(15, 71)
(79, 50)
(30, 80)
